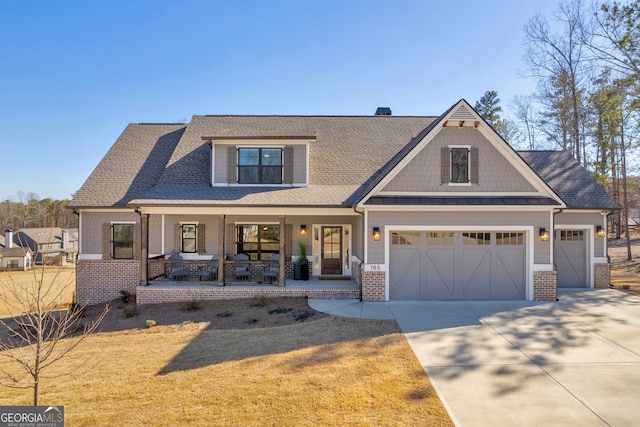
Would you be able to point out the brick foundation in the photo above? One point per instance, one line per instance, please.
(602, 274)
(545, 285)
(101, 281)
(167, 293)
(373, 285)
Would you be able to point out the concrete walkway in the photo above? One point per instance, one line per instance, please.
(575, 362)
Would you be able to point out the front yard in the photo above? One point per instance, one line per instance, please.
(249, 362)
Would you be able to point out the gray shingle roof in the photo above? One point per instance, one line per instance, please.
(169, 164)
(133, 165)
(568, 179)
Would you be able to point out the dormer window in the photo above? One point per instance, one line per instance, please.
(260, 165)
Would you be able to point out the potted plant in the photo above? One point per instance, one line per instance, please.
(301, 265)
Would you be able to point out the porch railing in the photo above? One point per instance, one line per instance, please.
(194, 270)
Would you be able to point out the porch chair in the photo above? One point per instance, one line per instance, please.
(177, 269)
(272, 273)
(210, 271)
(241, 269)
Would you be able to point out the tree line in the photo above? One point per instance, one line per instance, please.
(28, 210)
(585, 59)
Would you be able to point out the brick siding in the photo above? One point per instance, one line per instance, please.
(102, 280)
(373, 285)
(602, 275)
(545, 285)
(170, 293)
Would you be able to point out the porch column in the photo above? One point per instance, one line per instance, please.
(281, 258)
(144, 249)
(221, 228)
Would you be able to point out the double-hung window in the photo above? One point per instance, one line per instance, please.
(122, 241)
(260, 165)
(189, 238)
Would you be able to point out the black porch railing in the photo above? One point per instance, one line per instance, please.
(234, 272)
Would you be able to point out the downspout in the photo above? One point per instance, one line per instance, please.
(363, 231)
(553, 243)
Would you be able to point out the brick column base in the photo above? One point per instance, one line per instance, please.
(545, 285)
(602, 275)
(373, 285)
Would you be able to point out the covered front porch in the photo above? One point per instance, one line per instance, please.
(193, 255)
(318, 288)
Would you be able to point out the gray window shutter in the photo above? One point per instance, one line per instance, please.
(231, 165)
(136, 241)
(445, 165)
(201, 239)
(287, 176)
(177, 238)
(230, 240)
(473, 165)
(106, 241)
(288, 244)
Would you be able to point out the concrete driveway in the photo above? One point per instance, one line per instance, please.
(575, 362)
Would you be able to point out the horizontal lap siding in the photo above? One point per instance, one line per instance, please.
(91, 232)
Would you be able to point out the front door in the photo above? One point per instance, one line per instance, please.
(331, 250)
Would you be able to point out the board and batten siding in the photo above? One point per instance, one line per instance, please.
(299, 162)
(467, 219)
(91, 232)
(495, 173)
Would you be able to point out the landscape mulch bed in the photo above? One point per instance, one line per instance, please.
(248, 313)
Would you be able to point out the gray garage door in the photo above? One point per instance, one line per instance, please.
(457, 265)
(571, 258)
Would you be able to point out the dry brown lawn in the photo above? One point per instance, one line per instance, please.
(625, 274)
(62, 281)
(241, 363)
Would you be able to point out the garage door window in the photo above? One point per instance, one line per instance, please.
(439, 238)
(509, 239)
(476, 238)
(405, 238)
(571, 235)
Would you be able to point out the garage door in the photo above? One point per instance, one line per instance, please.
(457, 265)
(571, 258)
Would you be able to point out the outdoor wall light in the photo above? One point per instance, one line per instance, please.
(544, 234)
(303, 230)
(600, 232)
(376, 233)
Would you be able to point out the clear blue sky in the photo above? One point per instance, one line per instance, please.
(73, 74)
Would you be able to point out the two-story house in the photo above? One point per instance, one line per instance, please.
(389, 207)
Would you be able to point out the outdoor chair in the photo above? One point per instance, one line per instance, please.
(272, 273)
(210, 271)
(241, 268)
(177, 269)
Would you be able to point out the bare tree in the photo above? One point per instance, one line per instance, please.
(39, 331)
(560, 59)
(527, 119)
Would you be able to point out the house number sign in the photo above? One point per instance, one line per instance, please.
(375, 267)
